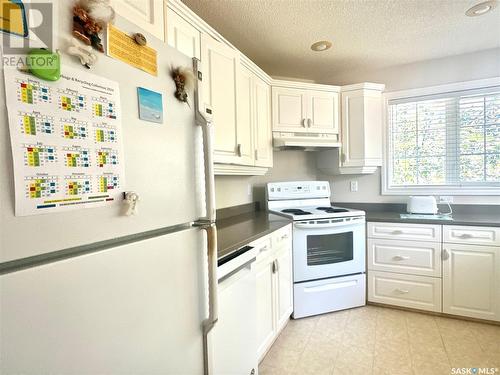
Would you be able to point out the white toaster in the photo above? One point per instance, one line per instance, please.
(422, 205)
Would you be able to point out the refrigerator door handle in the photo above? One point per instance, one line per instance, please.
(203, 114)
(213, 298)
(208, 151)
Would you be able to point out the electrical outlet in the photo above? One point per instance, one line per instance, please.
(249, 190)
(354, 186)
(445, 199)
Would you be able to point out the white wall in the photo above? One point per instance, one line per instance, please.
(478, 65)
(483, 64)
(369, 188)
(288, 166)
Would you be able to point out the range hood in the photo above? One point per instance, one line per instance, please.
(307, 141)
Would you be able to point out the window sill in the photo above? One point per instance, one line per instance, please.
(440, 190)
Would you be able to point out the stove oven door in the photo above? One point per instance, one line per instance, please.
(328, 248)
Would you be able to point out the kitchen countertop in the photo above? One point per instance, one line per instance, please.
(237, 231)
(490, 220)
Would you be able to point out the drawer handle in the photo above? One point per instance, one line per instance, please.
(332, 286)
(276, 266)
(402, 291)
(466, 235)
(285, 236)
(400, 257)
(397, 231)
(264, 248)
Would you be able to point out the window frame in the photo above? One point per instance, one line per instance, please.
(466, 189)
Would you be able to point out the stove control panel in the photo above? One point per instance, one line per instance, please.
(298, 190)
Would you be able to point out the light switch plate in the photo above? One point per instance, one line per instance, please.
(354, 186)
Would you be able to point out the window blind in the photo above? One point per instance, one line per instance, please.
(449, 139)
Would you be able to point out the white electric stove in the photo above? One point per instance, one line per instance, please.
(328, 247)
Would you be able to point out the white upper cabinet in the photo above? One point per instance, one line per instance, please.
(323, 112)
(361, 132)
(220, 77)
(182, 35)
(289, 110)
(235, 88)
(263, 140)
(302, 109)
(246, 117)
(147, 14)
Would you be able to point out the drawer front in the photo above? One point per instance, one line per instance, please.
(322, 296)
(398, 231)
(418, 292)
(282, 237)
(262, 245)
(411, 257)
(471, 235)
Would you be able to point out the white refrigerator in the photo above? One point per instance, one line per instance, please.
(92, 291)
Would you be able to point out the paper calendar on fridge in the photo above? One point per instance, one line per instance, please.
(66, 141)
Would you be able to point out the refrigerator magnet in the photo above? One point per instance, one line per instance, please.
(150, 105)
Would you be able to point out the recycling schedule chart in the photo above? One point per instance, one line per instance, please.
(66, 141)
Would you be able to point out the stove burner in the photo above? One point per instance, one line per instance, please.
(331, 210)
(295, 211)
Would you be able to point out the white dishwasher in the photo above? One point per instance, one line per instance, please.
(234, 336)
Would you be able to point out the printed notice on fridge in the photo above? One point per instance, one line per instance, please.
(66, 141)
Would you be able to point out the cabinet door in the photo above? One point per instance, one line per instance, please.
(323, 112)
(265, 305)
(220, 72)
(245, 123)
(147, 14)
(284, 286)
(471, 281)
(182, 35)
(289, 110)
(263, 134)
(361, 128)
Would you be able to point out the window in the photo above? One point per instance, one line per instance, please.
(444, 141)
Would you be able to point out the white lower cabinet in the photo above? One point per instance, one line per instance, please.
(265, 305)
(410, 265)
(471, 281)
(274, 289)
(284, 282)
(419, 292)
(404, 265)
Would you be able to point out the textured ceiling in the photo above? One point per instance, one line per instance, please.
(366, 34)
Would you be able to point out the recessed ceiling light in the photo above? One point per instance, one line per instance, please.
(322, 45)
(481, 8)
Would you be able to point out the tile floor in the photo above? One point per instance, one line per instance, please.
(376, 340)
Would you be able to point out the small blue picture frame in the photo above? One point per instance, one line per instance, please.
(150, 105)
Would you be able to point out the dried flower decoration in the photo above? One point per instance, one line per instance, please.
(184, 82)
